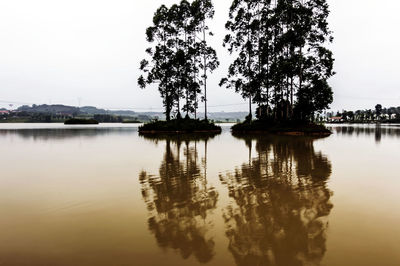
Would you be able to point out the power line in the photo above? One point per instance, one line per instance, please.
(233, 104)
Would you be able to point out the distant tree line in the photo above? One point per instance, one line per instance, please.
(47, 117)
(281, 62)
(379, 113)
(29, 117)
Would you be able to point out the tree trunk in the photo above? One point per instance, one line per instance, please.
(205, 71)
(168, 108)
(250, 111)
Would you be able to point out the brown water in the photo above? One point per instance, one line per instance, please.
(106, 196)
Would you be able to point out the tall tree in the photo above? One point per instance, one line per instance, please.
(243, 40)
(159, 69)
(203, 10)
(316, 65)
(378, 111)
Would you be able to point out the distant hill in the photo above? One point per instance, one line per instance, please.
(92, 110)
(96, 111)
(59, 109)
(71, 110)
(49, 109)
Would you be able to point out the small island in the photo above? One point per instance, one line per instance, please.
(81, 121)
(295, 128)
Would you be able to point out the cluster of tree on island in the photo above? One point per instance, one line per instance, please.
(281, 62)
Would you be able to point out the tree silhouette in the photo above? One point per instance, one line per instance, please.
(203, 10)
(159, 70)
(281, 63)
(178, 55)
(378, 111)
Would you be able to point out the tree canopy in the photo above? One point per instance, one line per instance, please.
(179, 53)
(281, 61)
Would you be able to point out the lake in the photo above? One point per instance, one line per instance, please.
(103, 195)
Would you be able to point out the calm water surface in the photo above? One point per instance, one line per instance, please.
(107, 196)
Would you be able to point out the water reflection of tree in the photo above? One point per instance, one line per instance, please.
(377, 130)
(179, 199)
(45, 134)
(280, 205)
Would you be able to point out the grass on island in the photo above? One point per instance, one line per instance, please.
(186, 125)
(287, 127)
(81, 121)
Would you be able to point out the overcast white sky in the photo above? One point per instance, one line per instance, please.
(60, 51)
